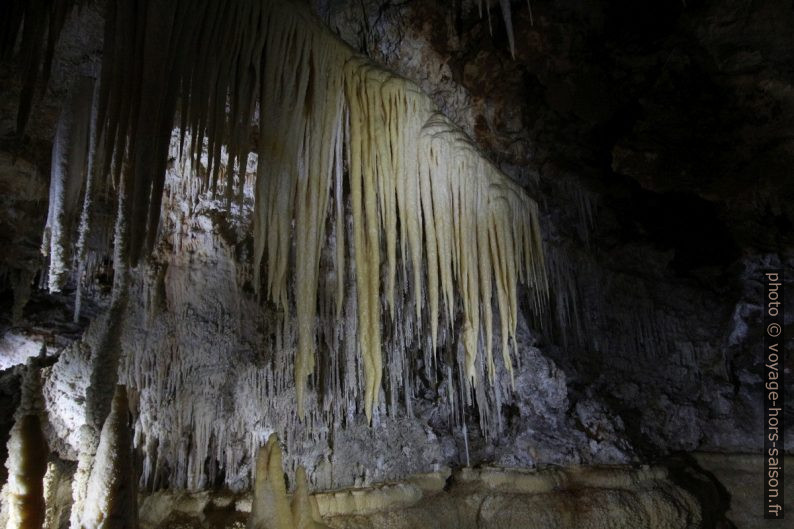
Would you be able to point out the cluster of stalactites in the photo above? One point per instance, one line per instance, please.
(34, 27)
(206, 64)
(422, 199)
(199, 60)
(334, 132)
(376, 222)
(507, 16)
(72, 163)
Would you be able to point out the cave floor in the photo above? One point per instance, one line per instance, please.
(690, 490)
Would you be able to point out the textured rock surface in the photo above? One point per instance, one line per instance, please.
(741, 479)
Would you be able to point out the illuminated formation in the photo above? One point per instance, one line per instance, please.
(384, 243)
(334, 131)
(271, 508)
(111, 500)
(305, 511)
(70, 164)
(27, 457)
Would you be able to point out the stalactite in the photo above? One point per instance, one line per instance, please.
(507, 16)
(70, 155)
(89, 223)
(39, 24)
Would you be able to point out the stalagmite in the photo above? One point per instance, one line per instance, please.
(102, 394)
(27, 464)
(85, 461)
(111, 496)
(271, 508)
(57, 493)
(102, 400)
(27, 457)
(305, 511)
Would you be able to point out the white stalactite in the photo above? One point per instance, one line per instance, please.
(507, 16)
(70, 156)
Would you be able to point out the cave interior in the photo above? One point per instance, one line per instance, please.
(395, 264)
